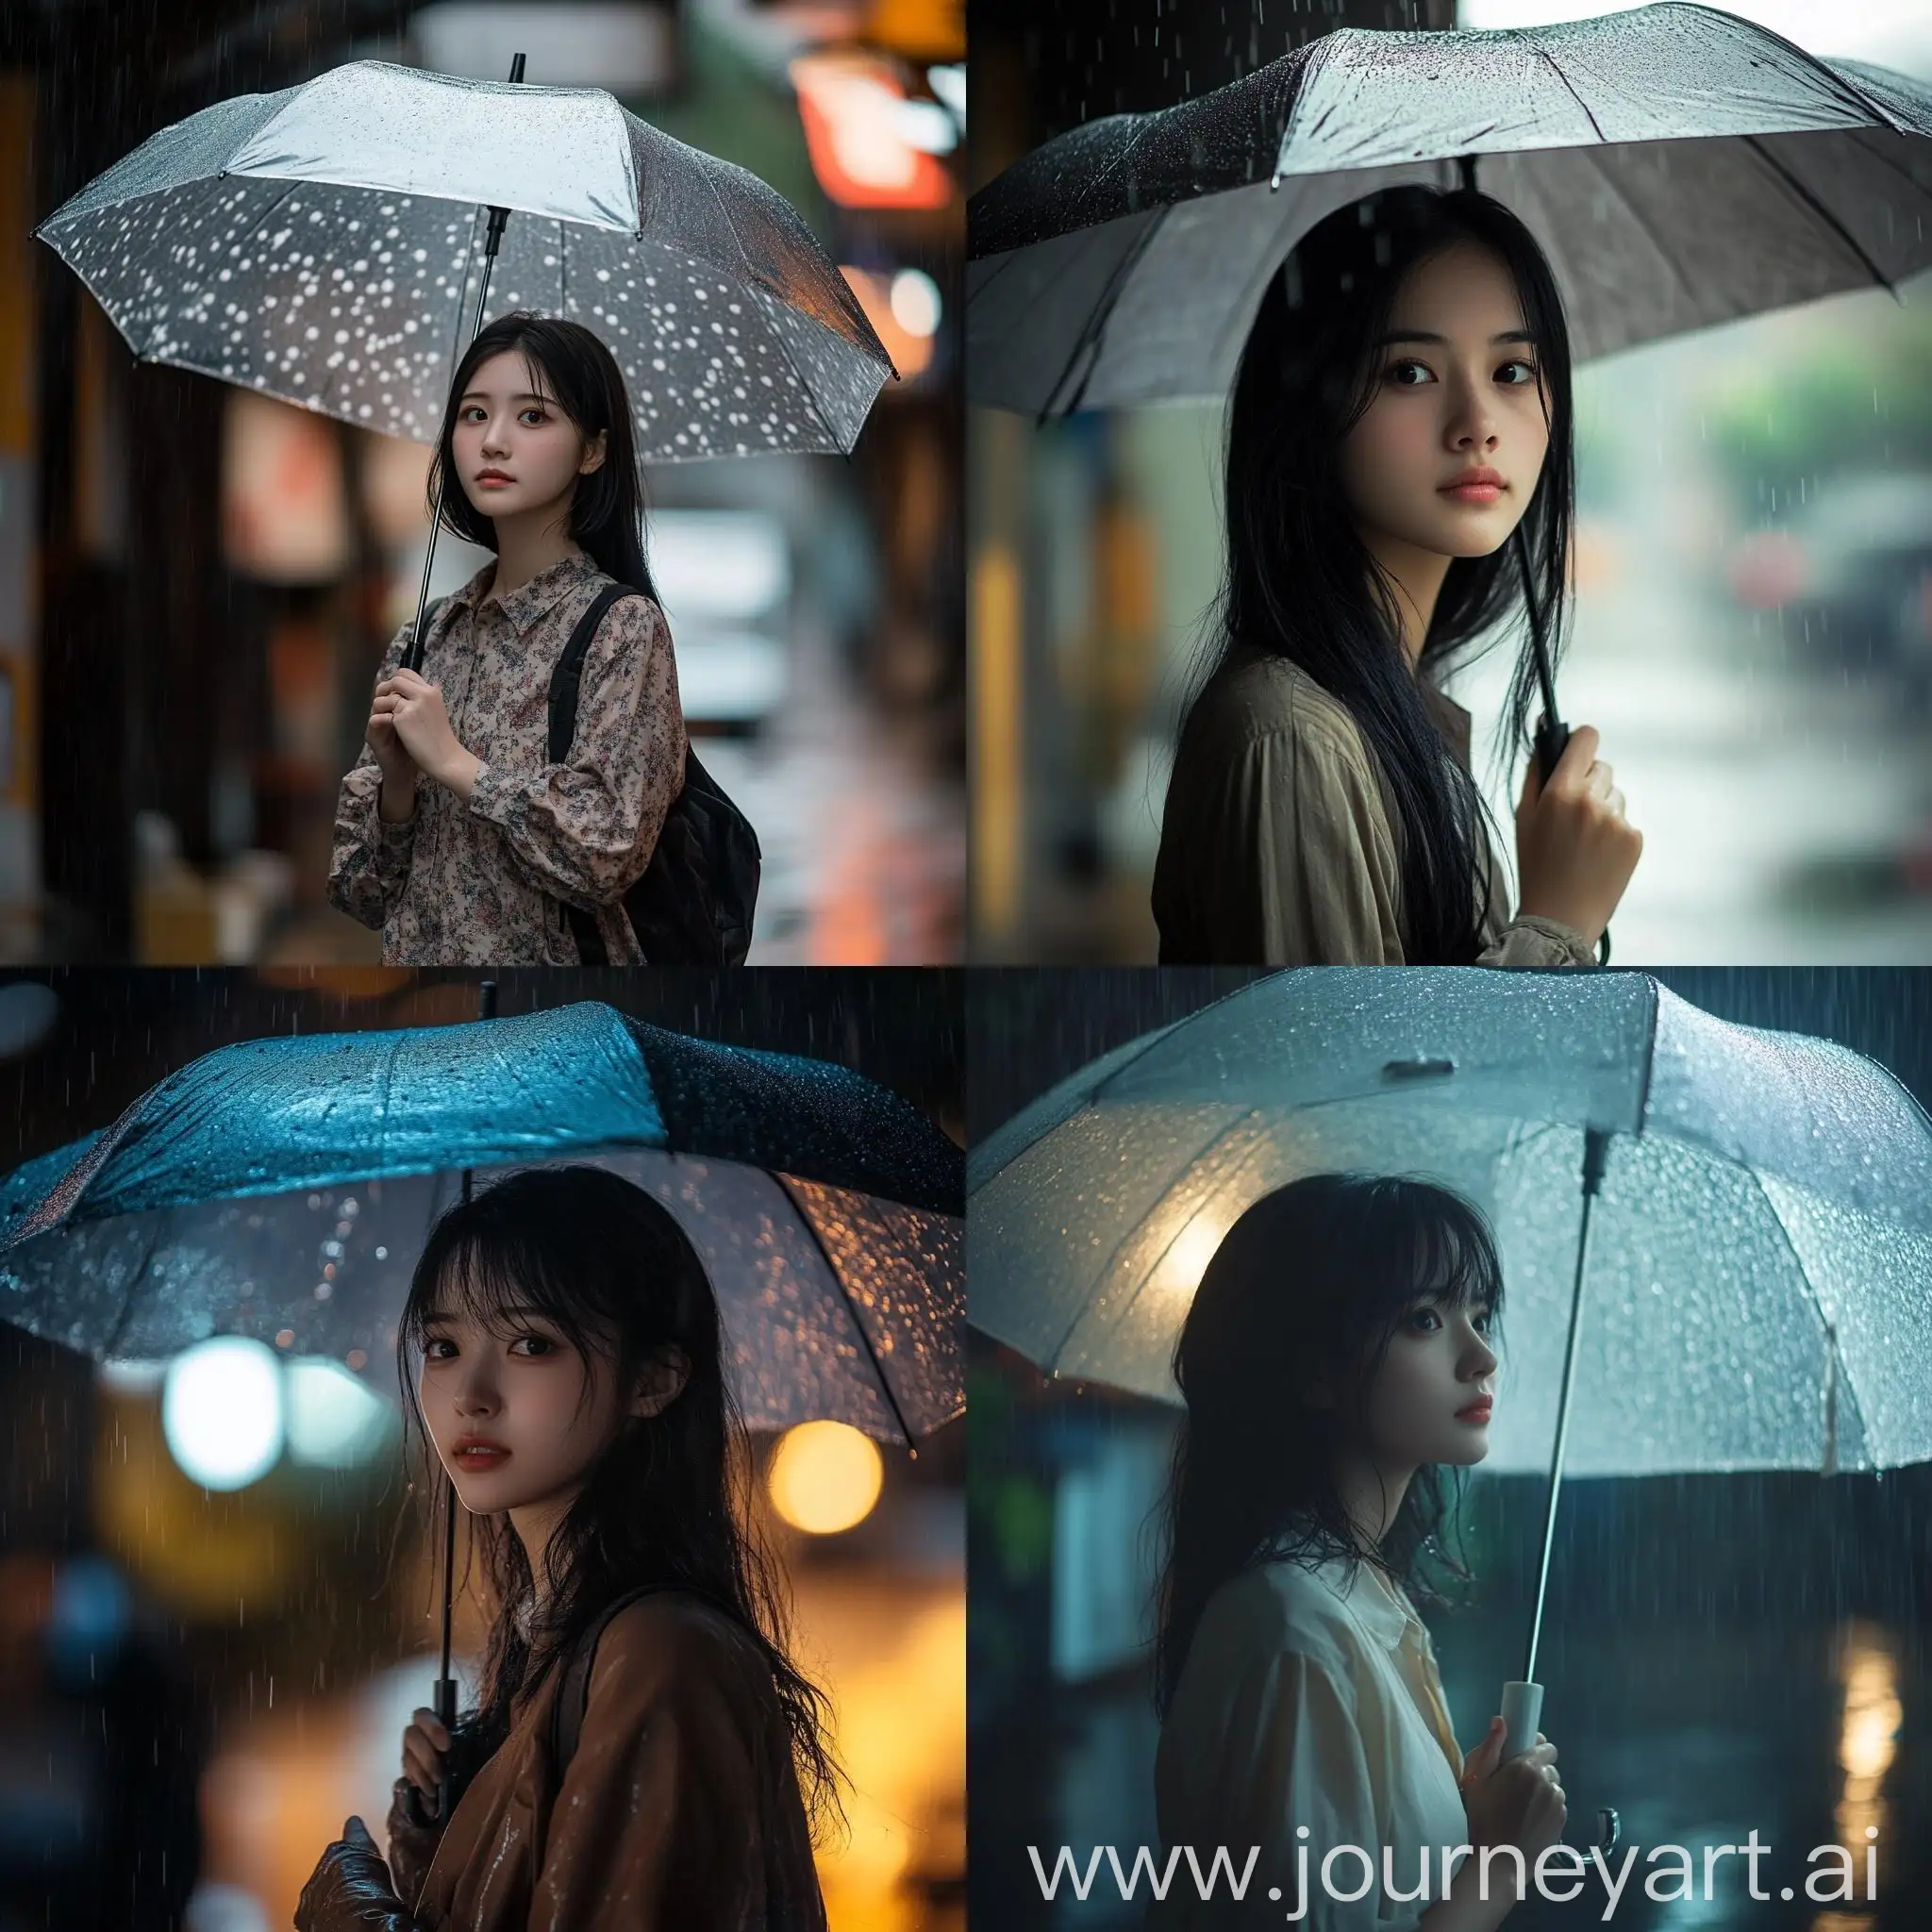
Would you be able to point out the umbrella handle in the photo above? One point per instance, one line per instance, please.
(1522, 1706)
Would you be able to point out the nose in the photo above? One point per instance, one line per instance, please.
(1472, 425)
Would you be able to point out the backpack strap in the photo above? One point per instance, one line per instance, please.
(568, 676)
(566, 681)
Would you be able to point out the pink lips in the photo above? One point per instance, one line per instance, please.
(1476, 1411)
(1474, 492)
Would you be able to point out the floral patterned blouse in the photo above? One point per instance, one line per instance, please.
(486, 883)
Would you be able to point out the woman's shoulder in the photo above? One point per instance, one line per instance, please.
(667, 1634)
(1257, 695)
(1286, 1605)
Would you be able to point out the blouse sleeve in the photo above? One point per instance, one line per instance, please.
(584, 830)
(655, 1826)
(1529, 939)
(370, 864)
(1298, 1760)
(1319, 871)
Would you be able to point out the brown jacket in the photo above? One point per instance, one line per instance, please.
(1281, 845)
(484, 883)
(680, 1810)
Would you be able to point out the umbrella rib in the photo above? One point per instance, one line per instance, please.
(126, 1315)
(1835, 1365)
(1098, 317)
(1649, 1058)
(845, 1302)
(1544, 54)
(751, 272)
(1803, 194)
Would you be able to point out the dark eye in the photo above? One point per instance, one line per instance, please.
(1407, 362)
(1420, 1315)
(432, 1344)
(533, 410)
(542, 1341)
(1530, 373)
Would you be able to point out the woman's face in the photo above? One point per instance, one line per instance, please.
(1439, 1362)
(503, 425)
(531, 1393)
(1454, 388)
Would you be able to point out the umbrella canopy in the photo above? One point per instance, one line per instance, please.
(1760, 1256)
(282, 1188)
(317, 244)
(1678, 166)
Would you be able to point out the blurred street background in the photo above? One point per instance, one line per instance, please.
(196, 581)
(1752, 626)
(1720, 1653)
(200, 1679)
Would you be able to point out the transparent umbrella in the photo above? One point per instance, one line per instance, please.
(321, 244)
(1718, 1239)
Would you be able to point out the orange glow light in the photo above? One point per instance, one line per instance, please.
(848, 103)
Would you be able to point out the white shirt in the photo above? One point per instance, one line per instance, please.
(1308, 1698)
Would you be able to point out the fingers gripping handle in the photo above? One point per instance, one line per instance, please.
(1522, 1709)
(446, 1713)
(1550, 740)
(424, 1811)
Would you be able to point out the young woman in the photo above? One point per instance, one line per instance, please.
(563, 1317)
(1337, 1362)
(1401, 409)
(455, 833)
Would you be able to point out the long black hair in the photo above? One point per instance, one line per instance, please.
(1301, 582)
(667, 1504)
(570, 366)
(1309, 1287)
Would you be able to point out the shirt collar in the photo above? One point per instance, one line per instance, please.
(1451, 720)
(527, 602)
(1369, 1602)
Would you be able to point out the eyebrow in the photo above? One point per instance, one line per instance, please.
(1423, 335)
(526, 398)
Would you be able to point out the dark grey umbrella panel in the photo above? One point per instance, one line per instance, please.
(323, 244)
(1679, 167)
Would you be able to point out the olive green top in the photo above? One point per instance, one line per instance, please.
(1281, 844)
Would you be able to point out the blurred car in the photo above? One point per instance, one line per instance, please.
(723, 577)
(1850, 575)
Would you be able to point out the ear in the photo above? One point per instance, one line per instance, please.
(662, 1380)
(595, 459)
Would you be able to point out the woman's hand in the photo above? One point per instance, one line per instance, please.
(1520, 1803)
(349, 1890)
(414, 708)
(425, 1750)
(1574, 849)
(398, 766)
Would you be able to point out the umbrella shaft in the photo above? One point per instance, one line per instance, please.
(1596, 1143)
(412, 658)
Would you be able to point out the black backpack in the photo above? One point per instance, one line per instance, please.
(693, 907)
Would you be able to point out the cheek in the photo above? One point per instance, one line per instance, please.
(1383, 450)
